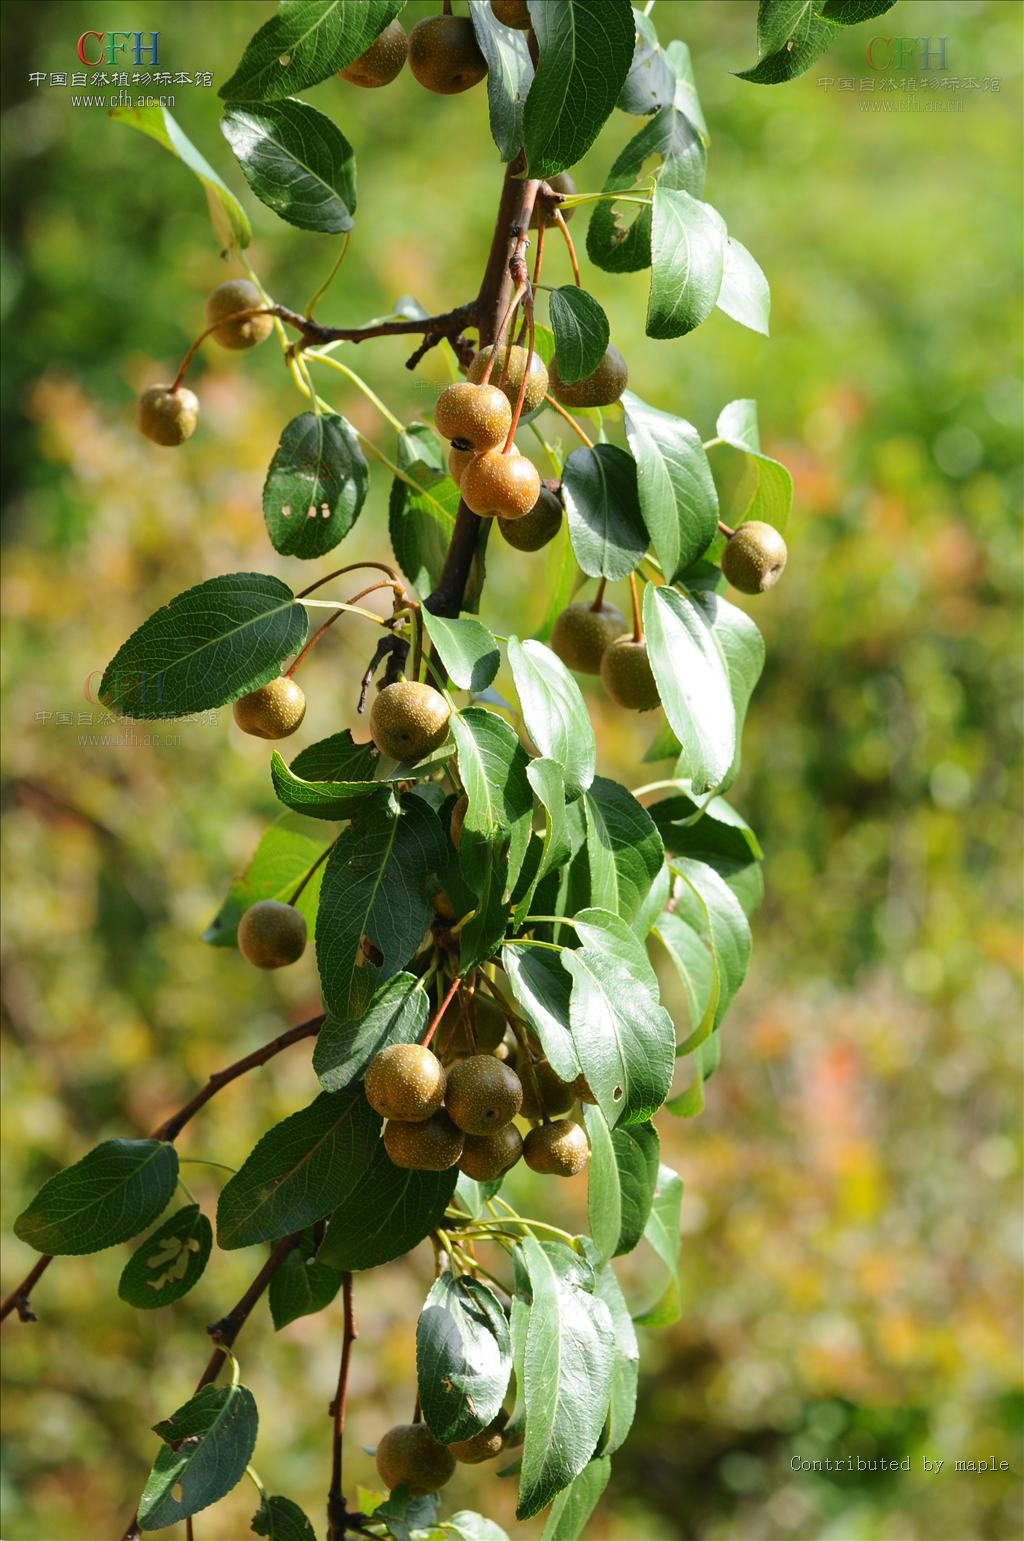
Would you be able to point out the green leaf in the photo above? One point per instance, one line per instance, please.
(698, 973)
(548, 783)
(628, 1182)
(726, 924)
(218, 1426)
(288, 851)
(604, 932)
(229, 219)
(301, 1287)
(567, 1369)
(619, 235)
(316, 485)
(466, 648)
(624, 1039)
(465, 1525)
(207, 647)
(172, 1258)
(651, 81)
(714, 833)
(492, 766)
(463, 1358)
(599, 491)
(742, 648)
(575, 1504)
(282, 1520)
(296, 162)
(306, 42)
(693, 684)
(581, 332)
(409, 1517)
(744, 293)
(849, 12)
(662, 1232)
(677, 493)
(397, 1013)
(385, 1213)
(327, 780)
(542, 988)
(554, 712)
(112, 1194)
(586, 47)
(626, 1365)
(772, 495)
(421, 522)
(374, 907)
(790, 37)
(509, 76)
(687, 254)
(604, 1195)
(624, 849)
(300, 1170)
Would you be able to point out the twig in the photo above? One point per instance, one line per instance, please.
(314, 868)
(337, 1509)
(563, 227)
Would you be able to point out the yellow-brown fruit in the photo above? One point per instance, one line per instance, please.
(245, 332)
(409, 1453)
(507, 1048)
(382, 61)
(444, 54)
(271, 934)
(600, 389)
(535, 529)
(167, 416)
(483, 1094)
(581, 634)
(405, 1081)
(442, 905)
(477, 415)
(754, 557)
(536, 380)
(627, 675)
(486, 1157)
(483, 1446)
(458, 460)
(431, 1146)
(506, 486)
(559, 1149)
(273, 711)
(458, 818)
(409, 720)
(563, 183)
(556, 1095)
(512, 13)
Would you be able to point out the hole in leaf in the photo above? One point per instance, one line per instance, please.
(617, 1094)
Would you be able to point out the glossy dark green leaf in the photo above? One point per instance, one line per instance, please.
(172, 1258)
(662, 1232)
(305, 42)
(602, 506)
(742, 648)
(210, 1440)
(625, 1041)
(300, 1169)
(849, 12)
(771, 495)
(328, 779)
(385, 1213)
(693, 684)
(625, 1366)
(496, 828)
(509, 76)
(301, 1287)
(229, 219)
(677, 493)
(421, 518)
(604, 1195)
(619, 234)
(542, 988)
(715, 833)
(466, 648)
(282, 1520)
(624, 849)
(586, 47)
(397, 1013)
(288, 851)
(554, 712)
(581, 332)
(791, 36)
(744, 293)
(548, 784)
(316, 485)
(463, 1357)
(687, 255)
(112, 1194)
(575, 1504)
(296, 162)
(604, 932)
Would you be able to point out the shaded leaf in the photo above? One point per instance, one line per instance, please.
(542, 988)
(316, 485)
(585, 50)
(463, 1358)
(112, 1194)
(305, 42)
(301, 1287)
(230, 221)
(849, 12)
(624, 849)
(296, 162)
(219, 1427)
(328, 779)
(509, 76)
(676, 490)
(466, 648)
(397, 1013)
(421, 519)
(575, 1504)
(772, 496)
(169, 1262)
(581, 332)
(282, 1520)
(385, 1212)
(289, 850)
(599, 491)
(790, 37)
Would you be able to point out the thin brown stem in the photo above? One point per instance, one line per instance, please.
(634, 594)
(448, 324)
(18, 1299)
(296, 896)
(339, 572)
(599, 596)
(500, 334)
(726, 530)
(439, 1013)
(556, 406)
(564, 228)
(337, 1509)
(289, 673)
(238, 315)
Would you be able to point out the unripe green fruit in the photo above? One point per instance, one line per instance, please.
(581, 634)
(382, 61)
(271, 934)
(561, 182)
(600, 389)
(486, 1157)
(556, 1095)
(409, 1453)
(535, 529)
(627, 675)
(458, 818)
(228, 298)
(536, 380)
(512, 13)
(408, 720)
(506, 486)
(559, 1149)
(477, 415)
(405, 1081)
(458, 460)
(273, 711)
(482, 1094)
(483, 1446)
(444, 54)
(754, 557)
(167, 416)
(431, 1146)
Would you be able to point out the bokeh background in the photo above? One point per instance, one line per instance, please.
(851, 1215)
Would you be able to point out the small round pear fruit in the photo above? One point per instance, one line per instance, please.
(559, 1149)
(512, 13)
(226, 300)
(486, 1157)
(582, 633)
(458, 818)
(478, 416)
(409, 720)
(599, 389)
(444, 55)
(482, 1094)
(430, 1146)
(271, 934)
(483, 1446)
(167, 416)
(405, 1081)
(488, 1030)
(458, 460)
(754, 557)
(536, 380)
(535, 529)
(496, 484)
(562, 183)
(627, 675)
(273, 711)
(555, 1095)
(409, 1453)
(382, 61)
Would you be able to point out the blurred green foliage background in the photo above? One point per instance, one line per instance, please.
(850, 1220)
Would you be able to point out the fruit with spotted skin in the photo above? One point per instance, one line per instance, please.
(458, 460)
(482, 1094)
(535, 529)
(478, 417)
(405, 1081)
(382, 61)
(237, 294)
(432, 1145)
(486, 1157)
(582, 632)
(410, 1454)
(167, 416)
(754, 557)
(563, 183)
(273, 711)
(544, 1091)
(512, 13)
(599, 389)
(536, 380)
(483, 1446)
(627, 675)
(558, 1150)
(409, 720)
(505, 486)
(444, 54)
(271, 934)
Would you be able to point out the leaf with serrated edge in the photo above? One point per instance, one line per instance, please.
(677, 492)
(692, 683)
(554, 712)
(602, 507)
(772, 495)
(575, 1504)
(585, 50)
(282, 1520)
(218, 1426)
(112, 1194)
(302, 1286)
(296, 162)
(542, 988)
(624, 1039)
(385, 1213)
(581, 332)
(624, 849)
(305, 42)
(466, 648)
(316, 485)
(169, 1262)
(463, 1358)
(396, 1014)
(687, 254)
(509, 76)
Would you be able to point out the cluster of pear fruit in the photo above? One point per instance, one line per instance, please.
(442, 51)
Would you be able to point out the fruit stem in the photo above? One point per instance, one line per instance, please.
(725, 530)
(599, 596)
(238, 315)
(563, 227)
(499, 335)
(316, 865)
(336, 1505)
(318, 295)
(556, 406)
(360, 384)
(289, 673)
(528, 308)
(439, 1013)
(634, 594)
(352, 567)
